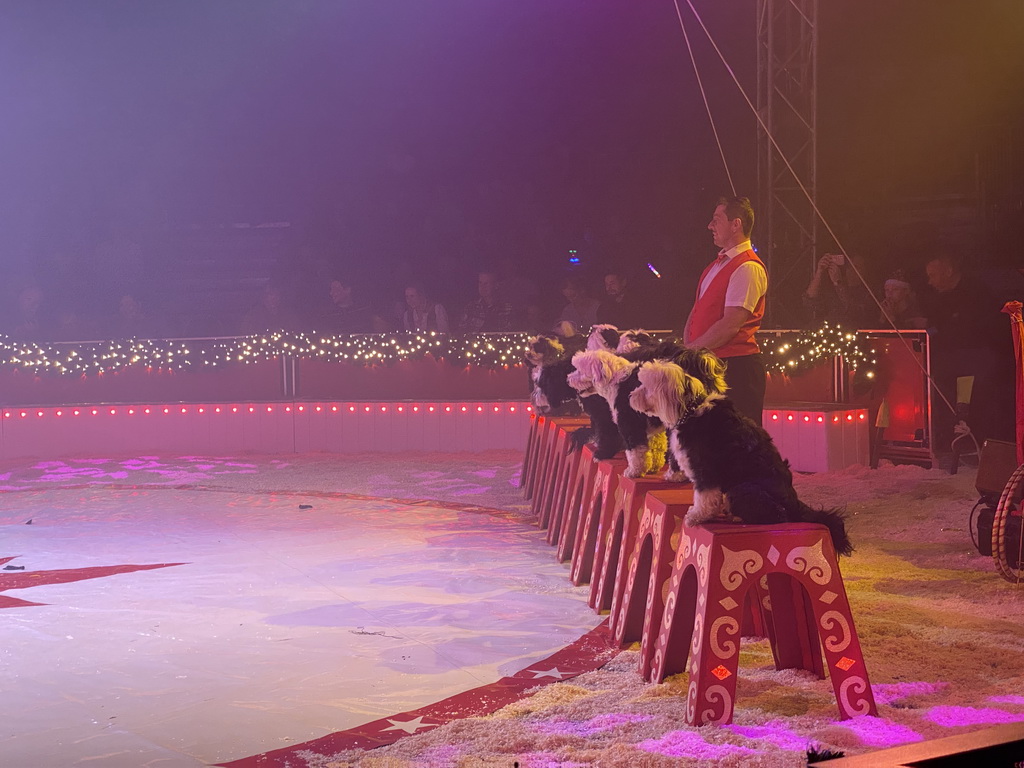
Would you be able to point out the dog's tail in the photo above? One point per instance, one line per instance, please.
(835, 521)
(579, 438)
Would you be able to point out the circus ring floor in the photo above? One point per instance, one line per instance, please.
(261, 647)
(191, 611)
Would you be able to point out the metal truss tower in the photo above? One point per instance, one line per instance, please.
(787, 102)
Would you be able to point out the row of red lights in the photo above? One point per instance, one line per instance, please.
(820, 418)
(131, 411)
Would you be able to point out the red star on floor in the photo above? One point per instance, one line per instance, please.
(25, 579)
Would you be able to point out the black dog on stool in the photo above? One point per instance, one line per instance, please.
(736, 470)
(551, 364)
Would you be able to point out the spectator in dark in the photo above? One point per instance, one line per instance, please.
(29, 321)
(130, 321)
(619, 307)
(346, 315)
(969, 337)
(422, 314)
(836, 295)
(519, 290)
(449, 282)
(581, 310)
(70, 325)
(269, 313)
(488, 312)
(900, 307)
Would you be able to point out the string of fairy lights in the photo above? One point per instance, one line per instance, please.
(94, 358)
(791, 354)
(796, 353)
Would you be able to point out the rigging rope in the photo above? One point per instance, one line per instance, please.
(707, 106)
(799, 181)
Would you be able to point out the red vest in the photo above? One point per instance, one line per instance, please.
(710, 308)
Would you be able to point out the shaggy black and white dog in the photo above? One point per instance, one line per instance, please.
(550, 361)
(613, 377)
(621, 342)
(736, 470)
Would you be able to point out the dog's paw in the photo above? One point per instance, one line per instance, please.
(699, 515)
(632, 472)
(693, 518)
(675, 477)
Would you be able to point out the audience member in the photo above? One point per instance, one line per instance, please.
(619, 307)
(900, 307)
(422, 314)
(269, 313)
(130, 321)
(29, 321)
(518, 289)
(836, 294)
(581, 310)
(969, 337)
(345, 315)
(488, 312)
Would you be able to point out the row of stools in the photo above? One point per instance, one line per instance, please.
(688, 594)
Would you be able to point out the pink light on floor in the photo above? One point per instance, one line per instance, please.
(953, 717)
(879, 732)
(691, 744)
(598, 724)
(1007, 699)
(774, 732)
(886, 693)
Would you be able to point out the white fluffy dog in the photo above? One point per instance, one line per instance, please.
(612, 377)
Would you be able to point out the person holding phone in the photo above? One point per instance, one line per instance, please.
(835, 294)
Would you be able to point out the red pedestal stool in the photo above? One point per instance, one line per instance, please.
(526, 479)
(552, 464)
(637, 606)
(539, 470)
(579, 492)
(637, 616)
(616, 537)
(715, 566)
(596, 505)
(563, 488)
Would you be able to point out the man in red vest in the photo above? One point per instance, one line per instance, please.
(730, 305)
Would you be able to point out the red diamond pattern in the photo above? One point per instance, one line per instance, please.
(720, 672)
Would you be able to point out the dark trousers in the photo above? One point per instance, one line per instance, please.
(745, 377)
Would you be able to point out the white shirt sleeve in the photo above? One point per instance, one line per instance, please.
(746, 286)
